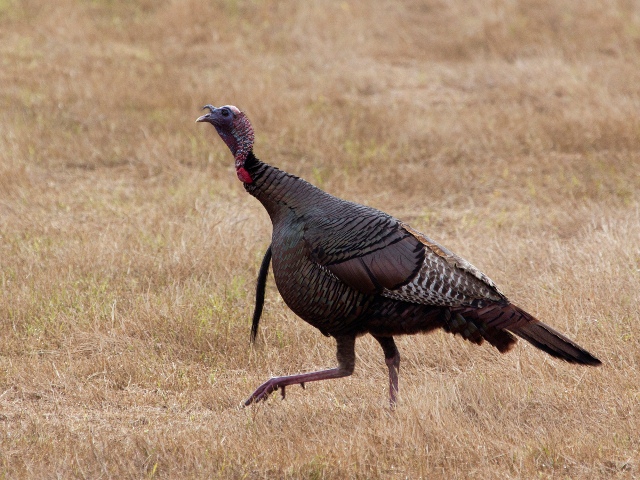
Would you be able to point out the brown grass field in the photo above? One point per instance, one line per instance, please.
(509, 131)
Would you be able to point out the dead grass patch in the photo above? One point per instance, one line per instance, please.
(128, 250)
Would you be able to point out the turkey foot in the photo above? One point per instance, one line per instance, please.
(275, 383)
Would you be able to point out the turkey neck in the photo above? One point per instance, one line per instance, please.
(280, 192)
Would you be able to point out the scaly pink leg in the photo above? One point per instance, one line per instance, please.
(392, 359)
(394, 367)
(346, 363)
(273, 384)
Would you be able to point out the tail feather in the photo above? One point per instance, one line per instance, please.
(502, 319)
(554, 343)
(261, 284)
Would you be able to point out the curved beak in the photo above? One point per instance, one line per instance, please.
(207, 116)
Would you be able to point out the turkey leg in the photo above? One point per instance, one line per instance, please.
(392, 359)
(346, 363)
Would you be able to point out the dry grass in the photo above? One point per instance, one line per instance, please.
(509, 131)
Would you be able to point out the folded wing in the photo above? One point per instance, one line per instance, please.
(375, 253)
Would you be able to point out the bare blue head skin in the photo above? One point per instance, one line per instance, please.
(236, 131)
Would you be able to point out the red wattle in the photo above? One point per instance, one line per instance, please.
(243, 175)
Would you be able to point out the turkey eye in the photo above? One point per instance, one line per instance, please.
(225, 113)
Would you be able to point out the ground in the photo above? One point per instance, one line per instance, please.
(509, 131)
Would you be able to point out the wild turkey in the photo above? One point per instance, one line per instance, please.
(348, 269)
